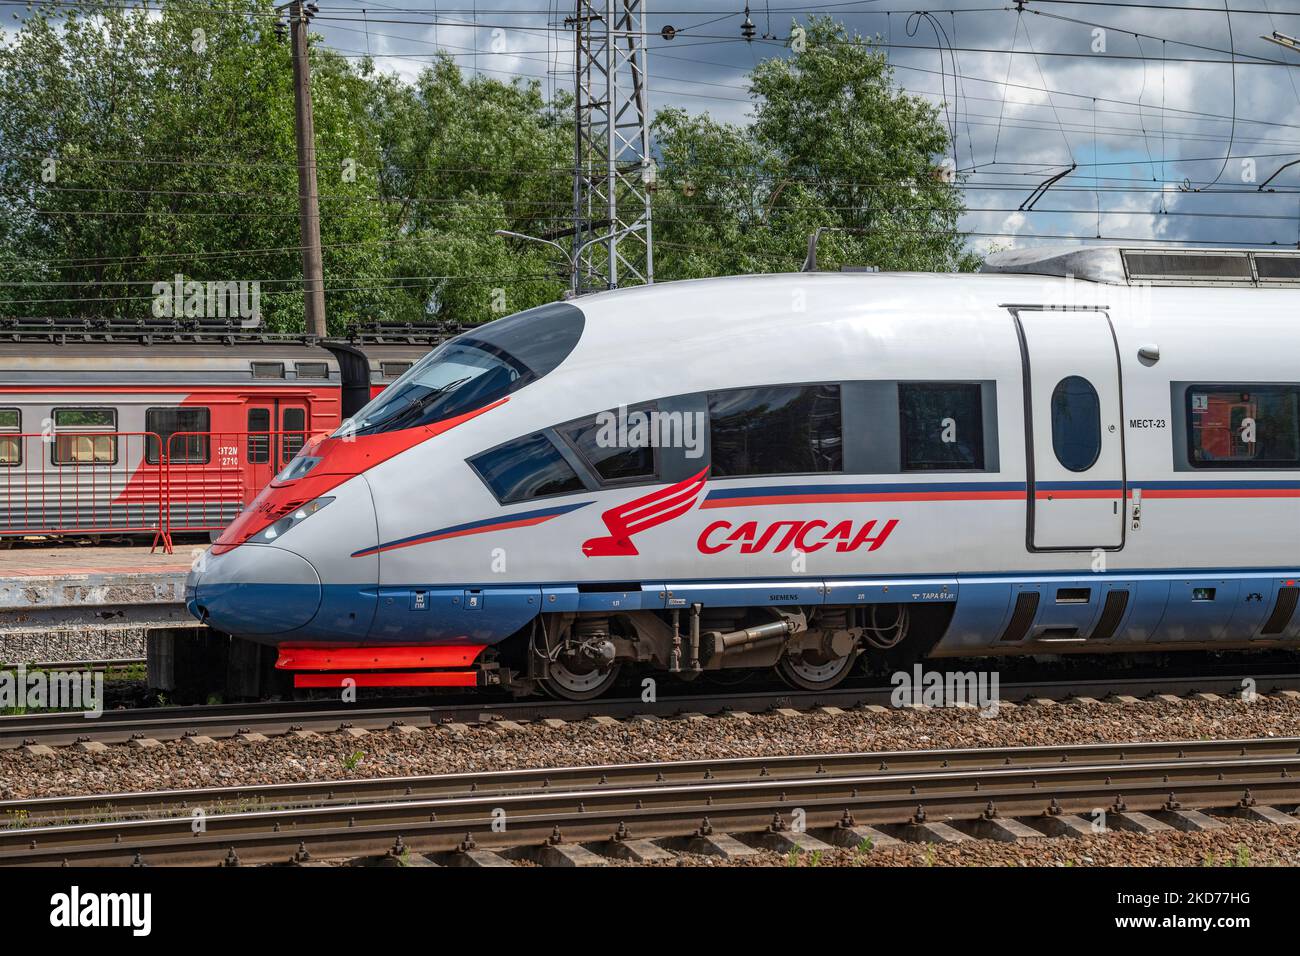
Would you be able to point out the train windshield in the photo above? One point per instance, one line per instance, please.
(473, 370)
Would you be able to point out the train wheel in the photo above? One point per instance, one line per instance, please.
(567, 683)
(806, 675)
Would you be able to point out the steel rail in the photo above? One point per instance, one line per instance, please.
(227, 720)
(89, 664)
(1038, 781)
(31, 812)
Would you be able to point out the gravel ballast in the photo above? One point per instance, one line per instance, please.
(1238, 844)
(232, 762)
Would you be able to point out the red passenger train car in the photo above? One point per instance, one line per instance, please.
(159, 428)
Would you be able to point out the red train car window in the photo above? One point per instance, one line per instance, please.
(293, 422)
(80, 445)
(11, 446)
(259, 446)
(174, 428)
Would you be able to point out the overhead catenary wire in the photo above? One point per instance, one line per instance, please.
(946, 50)
(1051, 91)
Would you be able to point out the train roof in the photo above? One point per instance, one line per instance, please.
(87, 362)
(153, 332)
(1015, 276)
(1122, 265)
(651, 316)
(84, 350)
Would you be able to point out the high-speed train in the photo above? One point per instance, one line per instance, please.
(1074, 451)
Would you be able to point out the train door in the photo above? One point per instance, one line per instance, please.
(277, 429)
(1074, 429)
(293, 428)
(260, 444)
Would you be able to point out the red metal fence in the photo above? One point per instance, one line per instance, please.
(108, 482)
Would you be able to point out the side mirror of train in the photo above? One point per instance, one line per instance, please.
(1149, 354)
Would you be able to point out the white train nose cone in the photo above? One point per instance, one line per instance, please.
(254, 590)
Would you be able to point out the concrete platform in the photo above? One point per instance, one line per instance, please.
(20, 561)
(48, 588)
(68, 603)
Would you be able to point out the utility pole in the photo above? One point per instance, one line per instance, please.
(614, 173)
(313, 271)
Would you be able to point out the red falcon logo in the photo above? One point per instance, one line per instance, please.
(637, 515)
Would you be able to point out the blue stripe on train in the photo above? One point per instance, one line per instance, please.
(1249, 484)
(977, 488)
(1167, 606)
(513, 519)
(718, 494)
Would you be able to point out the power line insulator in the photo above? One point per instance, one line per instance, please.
(747, 29)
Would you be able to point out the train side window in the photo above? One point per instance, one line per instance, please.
(776, 430)
(11, 445)
(526, 468)
(259, 446)
(311, 369)
(393, 369)
(293, 425)
(1076, 423)
(77, 440)
(174, 428)
(941, 426)
(1243, 426)
(267, 369)
(620, 444)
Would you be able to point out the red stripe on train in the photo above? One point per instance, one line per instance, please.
(417, 679)
(376, 657)
(860, 496)
(1219, 493)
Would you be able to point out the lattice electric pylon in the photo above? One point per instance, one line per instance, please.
(614, 173)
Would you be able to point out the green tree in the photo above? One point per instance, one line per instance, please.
(833, 143)
(461, 158)
(136, 148)
(136, 145)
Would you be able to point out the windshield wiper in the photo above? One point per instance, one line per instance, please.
(424, 401)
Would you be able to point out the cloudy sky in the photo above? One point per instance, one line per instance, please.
(1173, 112)
(1171, 141)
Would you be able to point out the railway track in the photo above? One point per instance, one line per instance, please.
(91, 664)
(55, 729)
(577, 815)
